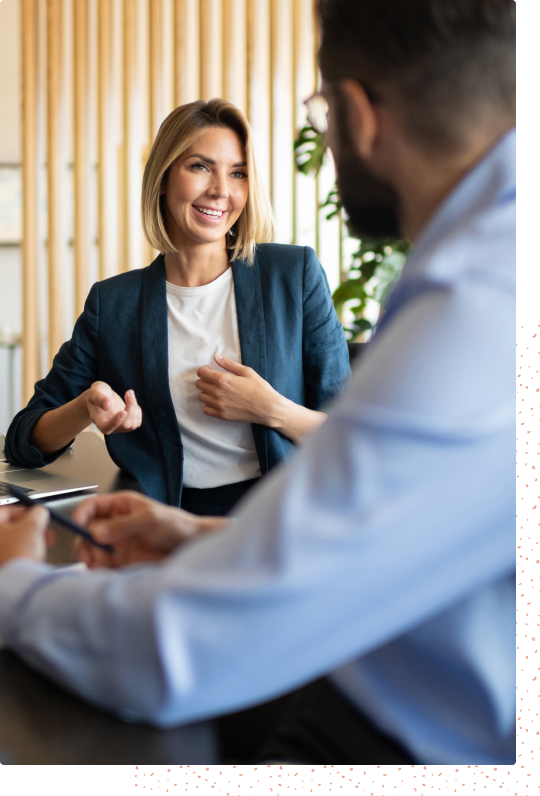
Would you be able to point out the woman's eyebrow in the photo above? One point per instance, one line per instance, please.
(213, 162)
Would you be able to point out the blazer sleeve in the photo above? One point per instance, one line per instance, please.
(324, 347)
(74, 369)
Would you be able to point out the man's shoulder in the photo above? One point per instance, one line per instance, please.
(482, 247)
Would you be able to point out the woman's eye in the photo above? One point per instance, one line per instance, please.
(198, 166)
(239, 175)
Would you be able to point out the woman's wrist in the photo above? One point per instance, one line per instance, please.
(58, 427)
(276, 411)
(82, 408)
(292, 420)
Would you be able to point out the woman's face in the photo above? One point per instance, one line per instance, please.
(206, 189)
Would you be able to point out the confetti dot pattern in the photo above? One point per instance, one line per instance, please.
(361, 780)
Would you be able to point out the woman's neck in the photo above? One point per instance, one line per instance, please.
(196, 265)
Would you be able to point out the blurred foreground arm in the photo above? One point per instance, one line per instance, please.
(138, 528)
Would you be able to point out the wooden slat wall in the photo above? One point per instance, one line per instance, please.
(260, 54)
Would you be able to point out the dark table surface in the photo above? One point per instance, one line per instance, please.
(41, 724)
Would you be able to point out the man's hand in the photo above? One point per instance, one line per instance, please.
(238, 393)
(23, 533)
(109, 412)
(138, 528)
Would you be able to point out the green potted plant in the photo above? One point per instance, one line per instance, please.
(373, 267)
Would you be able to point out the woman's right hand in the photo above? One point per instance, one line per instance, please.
(109, 413)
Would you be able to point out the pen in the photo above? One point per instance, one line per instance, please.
(71, 526)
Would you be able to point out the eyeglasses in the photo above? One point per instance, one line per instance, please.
(317, 113)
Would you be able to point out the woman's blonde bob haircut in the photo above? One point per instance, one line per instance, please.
(177, 133)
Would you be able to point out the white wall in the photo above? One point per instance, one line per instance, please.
(10, 152)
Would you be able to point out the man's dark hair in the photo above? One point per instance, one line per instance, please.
(443, 61)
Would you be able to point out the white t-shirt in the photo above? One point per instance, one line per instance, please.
(201, 322)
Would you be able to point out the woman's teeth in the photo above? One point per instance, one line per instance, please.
(207, 212)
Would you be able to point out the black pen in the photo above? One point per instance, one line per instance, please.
(71, 526)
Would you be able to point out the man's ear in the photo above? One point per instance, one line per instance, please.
(362, 117)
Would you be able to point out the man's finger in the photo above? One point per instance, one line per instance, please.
(10, 512)
(36, 519)
(116, 528)
(104, 506)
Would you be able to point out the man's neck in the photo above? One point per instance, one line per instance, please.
(424, 180)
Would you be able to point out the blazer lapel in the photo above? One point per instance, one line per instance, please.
(251, 331)
(155, 362)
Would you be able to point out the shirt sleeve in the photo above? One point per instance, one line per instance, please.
(74, 369)
(381, 521)
(324, 347)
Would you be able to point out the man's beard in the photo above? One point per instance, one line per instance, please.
(371, 203)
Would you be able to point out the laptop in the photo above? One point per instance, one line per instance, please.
(35, 483)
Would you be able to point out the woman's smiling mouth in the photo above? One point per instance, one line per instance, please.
(210, 213)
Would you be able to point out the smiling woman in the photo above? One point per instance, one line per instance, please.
(217, 357)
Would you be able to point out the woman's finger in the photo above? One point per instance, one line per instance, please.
(134, 413)
(211, 412)
(209, 400)
(130, 400)
(231, 366)
(208, 374)
(111, 425)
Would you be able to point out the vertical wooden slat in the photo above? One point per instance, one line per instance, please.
(128, 75)
(80, 151)
(315, 23)
(259, 82)
(281, 118)
(29, 54)
(235, 52)
(211, 52)
(273, 33)
(155, 89)
(155, 68)
(186, 51)
(303, 77)
(54, 89)
(104, 10)
(294, 89)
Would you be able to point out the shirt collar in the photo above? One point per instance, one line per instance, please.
(490, 181)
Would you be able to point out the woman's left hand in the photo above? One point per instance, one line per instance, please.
(238, 393)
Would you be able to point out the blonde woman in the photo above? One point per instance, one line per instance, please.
(204, 368)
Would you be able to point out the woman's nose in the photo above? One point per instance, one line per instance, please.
(219, 186)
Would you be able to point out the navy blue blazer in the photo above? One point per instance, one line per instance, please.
(289, 334)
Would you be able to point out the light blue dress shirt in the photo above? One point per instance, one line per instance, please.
(383, 552)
